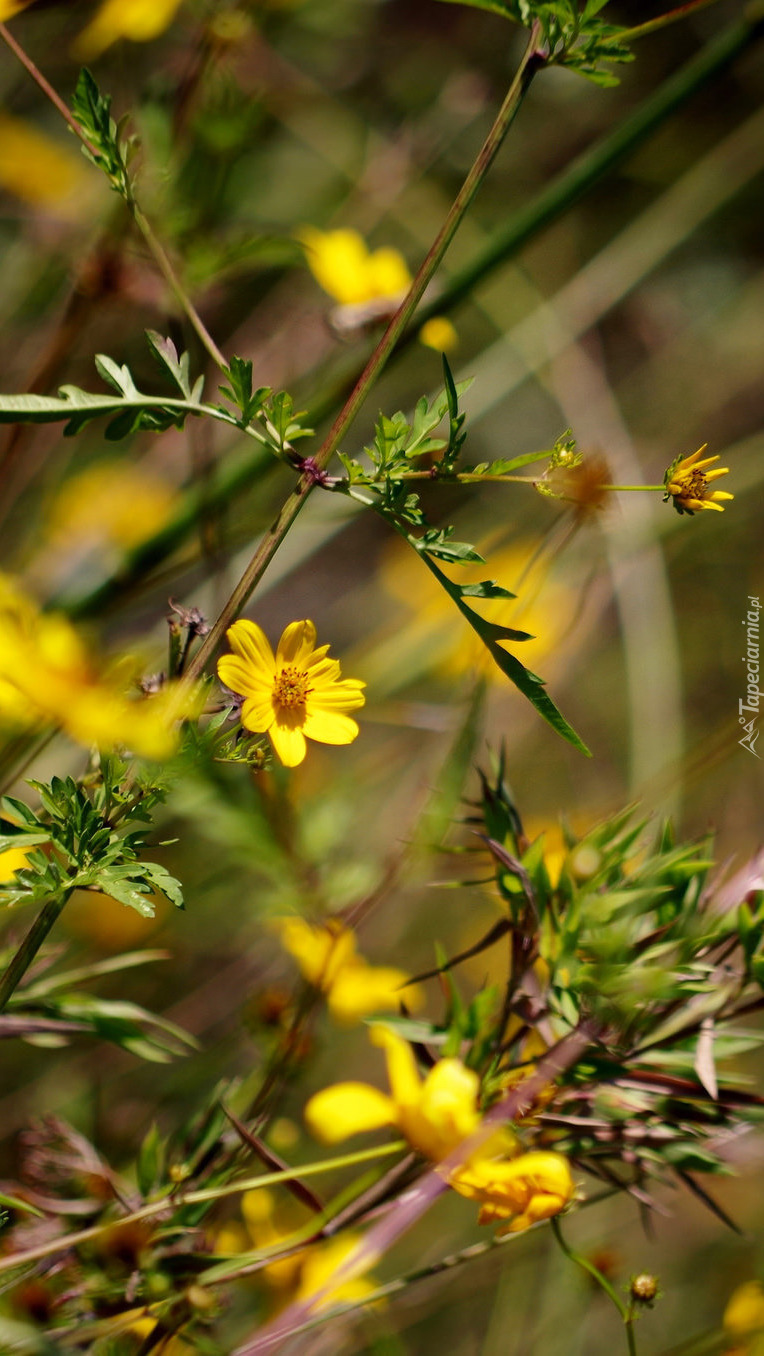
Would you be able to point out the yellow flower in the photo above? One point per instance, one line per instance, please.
(11, 861)
(327, 957)
(434, 1114)
(744, 1318)
(295, 695)
(523, 1190)
(438, 333)
(368, 285)
(110, 504)
(269, 1221)
(687, 483)
(139, 20)
(343, 266)
(318, 1267)
(38, 169)
(47, 676)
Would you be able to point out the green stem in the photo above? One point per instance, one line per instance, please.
(602, 1281)
(531, 62)
(31, 944)
(180, 1199)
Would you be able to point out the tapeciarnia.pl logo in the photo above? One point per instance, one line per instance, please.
(749, 705)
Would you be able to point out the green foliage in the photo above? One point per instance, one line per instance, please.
(572, 34)
(107, 150)
(91, 840)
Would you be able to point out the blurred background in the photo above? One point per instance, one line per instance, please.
(633, 317)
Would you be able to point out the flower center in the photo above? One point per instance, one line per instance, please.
(291, 687)
(694, 485)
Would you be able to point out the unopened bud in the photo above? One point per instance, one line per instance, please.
(644, 1288)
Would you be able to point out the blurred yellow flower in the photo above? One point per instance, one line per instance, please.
(744, 1318)
(687, 483)
(38, 169)
(327, 957)
(319, 1265)
(523, 1190)
(47, 676)
(269, 1221)
(343, 266)
(295, 695)
(367, 284)
(439, 333)
(434, 1114)
(138, 20)
(115, 504)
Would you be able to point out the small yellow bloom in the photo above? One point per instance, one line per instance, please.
(687, 483)
(47, 676)
(327, 957)
(295, 695)
(38, 169)
(439, 333)
(138, 20)
(523, 1190)
(435, 1114)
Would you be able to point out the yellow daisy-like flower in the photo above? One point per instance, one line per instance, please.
(293, 696)
(434, 1114)
(327, 956)
(138, 20)
(687, 482)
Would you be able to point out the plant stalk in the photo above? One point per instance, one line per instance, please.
(31, 944)
(531, 62)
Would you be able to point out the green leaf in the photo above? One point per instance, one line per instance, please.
(527, 682)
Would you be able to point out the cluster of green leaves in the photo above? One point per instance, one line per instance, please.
(635, 941)
(106, 148)
(91, 837)
(274, 410)
(573, 34)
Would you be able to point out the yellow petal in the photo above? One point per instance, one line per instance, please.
(249, 641)
(348, 1109)
(387, 274)
(402, 1072)
(288, 742)
(339, 262)
(320, 1265)
(320, 952)
(296, 644)
(347, 695)
(257, 713)
(329, 727)
(139, 20)
(360, 990)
